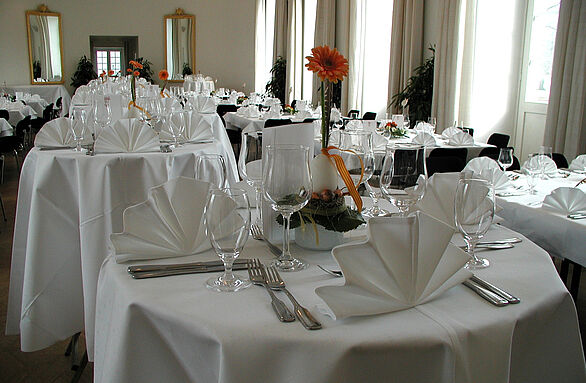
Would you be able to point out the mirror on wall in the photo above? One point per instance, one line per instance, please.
(44, 46)
(179, 44)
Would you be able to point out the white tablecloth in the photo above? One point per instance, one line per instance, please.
(49, 93)
(560, 236)
(5, 128)
(234, 121)
(38, 106)
(18, 111)
(175, 330)
(68, 205)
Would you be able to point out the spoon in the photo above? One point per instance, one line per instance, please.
(335, 273)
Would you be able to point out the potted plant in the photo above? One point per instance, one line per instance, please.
(145, 70)
(276, 86)
(84, 73)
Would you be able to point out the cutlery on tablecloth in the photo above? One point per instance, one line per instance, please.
(257, 274)
(581, 182)
(259, 236)
(275, 282)
(179, 266)
(497, 290)
(577, 216)
(488, 295)
(192, 270)
(334, 273)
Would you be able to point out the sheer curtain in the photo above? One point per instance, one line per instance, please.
(369, 55)
(265, 35)
(325, 34)
(565, 128)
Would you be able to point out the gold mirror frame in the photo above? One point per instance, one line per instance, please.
(43, 11)
(179, 15)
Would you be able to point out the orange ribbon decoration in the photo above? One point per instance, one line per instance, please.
(345, 174)
(131, 103)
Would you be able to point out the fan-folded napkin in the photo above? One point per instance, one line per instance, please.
(56, 133)
(449, 132)
(197, 128)
(439, 197)
(204, 105)
(579, 163)
(250, 111)
(127, 135)
(404, 263)
(488, 169)
(424, 138)
(460, 139)
(540, 161)
(566, 200)
(424, 127)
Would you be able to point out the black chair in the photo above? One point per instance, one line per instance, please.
(354, 113)
(560, 160)
(277, 122)
(443, 160)
(4, 114)
(494, 154)
(9, 145)
(233, 135)
(58, 107)
(499, 140)
(23, 130)
(48, 112)
(369, 116)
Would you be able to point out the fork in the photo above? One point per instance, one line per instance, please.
(275, 282)
(258, 235)
(257, 275)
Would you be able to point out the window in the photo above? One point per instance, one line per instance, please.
(108, 59)
(265, 32)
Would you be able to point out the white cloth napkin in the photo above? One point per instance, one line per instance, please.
(169, 223)
(354, 125)
(197, 128)
(250, 111)
(449, 132)
(536, 162)
(335, 114)
(379, 142)
(404, 263)
(461, 139)
(566, 200)
(424, 138)
(204, 105)
(302, 115)
(127, 135)
(57, 133)
(439, 197)
(579, 163)
(488, 169)
(170, 104)
(424, 127)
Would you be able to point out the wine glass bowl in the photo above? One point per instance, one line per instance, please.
(505, 158)
(78, 126)
(357, 154)
(250, 166)
(211, 168)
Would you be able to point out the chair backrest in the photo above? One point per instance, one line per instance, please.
(444, 164)
(494, 154)
(48, 112)
(448, 152)
(499, 140)
(22, 127)
(59, 103)
(4, 114)
(560, 160)
(369, 116)
(222, 109)
(277, 122)
(353, 113)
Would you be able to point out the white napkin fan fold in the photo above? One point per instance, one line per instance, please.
(439, 197)
(197, 128)
(566, 200)
(488, 169)
(127, 135)
(461, 138)
(424, 138)
(204, 105)
(537, 161)
(404, 263)
(449, 132)
(579, 163)
(57, 133)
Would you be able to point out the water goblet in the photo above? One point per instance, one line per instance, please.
(102, 114)
(78, 126)
(474, 212)
(227, 220)
(505, 158)
(373, 188)
(402, 169)
(531, 169)
(211, 168)
(287, 187)
(177, 122)
(250, 166)
(356, 152)
(544, 153)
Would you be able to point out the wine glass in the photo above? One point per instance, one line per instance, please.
(177, 126)
(544, 153)
(406, 121)
(532, 170)
(211, 168)
(371, 184)
(505, 158)
(356, 152)
(474, 212)
(250, 166)
(287, 187)
(402, 168)
(78, 126)
(227, 220)
(102, 114)
(433, 122)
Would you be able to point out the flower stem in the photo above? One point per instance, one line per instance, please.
(324, 123)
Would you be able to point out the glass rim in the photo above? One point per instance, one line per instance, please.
(231, 191)
(287, 147)
(476, 179)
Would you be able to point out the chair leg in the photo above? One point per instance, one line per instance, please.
(575, 286)
(80, 369)
(16, 159)
(2, 174)
(564, 270)
(3, 211)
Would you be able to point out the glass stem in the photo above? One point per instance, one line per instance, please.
(286, 256)
(228, 263)
(258, 195)
(470, 246)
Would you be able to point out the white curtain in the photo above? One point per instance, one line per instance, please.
(406, 43)
(264, 37)
(325, 34)
(565, 127)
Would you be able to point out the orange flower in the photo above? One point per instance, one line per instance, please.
(129, 70)
(136, 73)
(135, 64)
(328, 63)
(110, 72)
(163, 75)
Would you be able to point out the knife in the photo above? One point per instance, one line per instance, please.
(487, 285)
(180, 266)
(493, 298)
(193, 270)
(577, 216)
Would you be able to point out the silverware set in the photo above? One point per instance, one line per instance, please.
(577, 216)
(166, 270)
(259, 236)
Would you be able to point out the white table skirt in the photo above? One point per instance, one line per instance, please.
(174, 329)
(5, 128)
(19, 113)
(68, 205)
(49, 93)
(560, 236)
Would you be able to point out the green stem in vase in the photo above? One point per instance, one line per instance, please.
(324, 127)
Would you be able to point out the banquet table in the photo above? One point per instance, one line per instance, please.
(37, 105)
(174, 329)
(18, 112)
(49, 93)
(560, 236)
(68, 205)
(5, 128)
(235, 121)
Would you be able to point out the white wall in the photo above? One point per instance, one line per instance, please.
(224, 35)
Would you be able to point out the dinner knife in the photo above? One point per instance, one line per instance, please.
(491, 297)
(193, 270)
(577, 216)
(179, 266)
(497, 290)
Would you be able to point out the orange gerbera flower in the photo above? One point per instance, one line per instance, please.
(135, 64)
(163, 75)
(136, 73)
(328, 64)
(129, 70)
(110, 72)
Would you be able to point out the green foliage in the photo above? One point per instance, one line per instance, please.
(186, 70)
(146, 72)
(419, 91)
(276, 86)
(84, 73)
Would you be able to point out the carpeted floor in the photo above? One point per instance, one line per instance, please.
(50, 365)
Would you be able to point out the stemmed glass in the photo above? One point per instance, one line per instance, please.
(505, 158)
(177, 126)
(250, 166)
(356, 152)
(227, 220)
(102, 114)
(211, 168)
(78, 126)
(531, 169)
(287, 187)
(544, 152)
(402, 168)
(374, 182)
(474, 212)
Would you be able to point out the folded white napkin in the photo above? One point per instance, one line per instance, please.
(57, 133)
(274, 112)
(424, 127)
(449, 132)
(82, 98)
(127, 135)
(379, 143)
(354, 125)
(404, 263)
(566, 200)
(250, 111)
(335, 114)
(488, 169)
(204, 105)
(170, 104)
(539, 161)
(302, 115)
(197, 128)
(579, 163)
(461, 139)
(439, 197)
(424, 138)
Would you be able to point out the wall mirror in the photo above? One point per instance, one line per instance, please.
(45, 47)
(179, 44)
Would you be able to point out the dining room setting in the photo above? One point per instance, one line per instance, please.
(293, 191)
